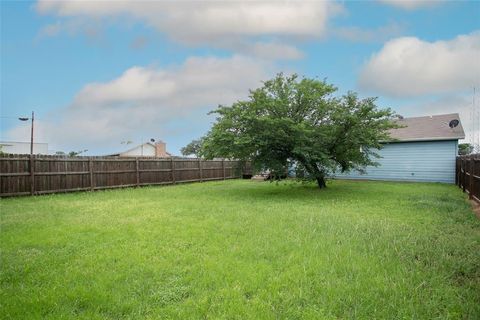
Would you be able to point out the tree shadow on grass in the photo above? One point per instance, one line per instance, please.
(290, 191)
(340, 191)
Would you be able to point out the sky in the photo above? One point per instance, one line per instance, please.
(99, 73)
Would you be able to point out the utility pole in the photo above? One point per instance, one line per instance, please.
(476, 123)
(31, 130)
(475, 129)
(32, 161)
(31, 135)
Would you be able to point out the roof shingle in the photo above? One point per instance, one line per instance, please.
(428, 128)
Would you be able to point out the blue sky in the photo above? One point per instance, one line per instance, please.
(98, 73)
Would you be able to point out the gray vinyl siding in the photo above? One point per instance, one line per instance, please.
(429, 161)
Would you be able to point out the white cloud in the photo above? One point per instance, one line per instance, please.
(357, 34)
(192, 20)
(273, 50)
(221, 24)
(409, 66)
(411, 4)
(50, 30)
(148, 100)
(90, 29)
(267, 50)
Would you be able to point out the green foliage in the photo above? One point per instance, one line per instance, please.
(465, 148)
(242, 250)
(193, 148)
(292, 120)
(76, 153)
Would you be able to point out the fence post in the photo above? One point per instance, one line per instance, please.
(470, 187)
(32, 174)
(90, 169)
(65, 175)
(137, 171)
(173, 169)
(476, 172)
(459, 174)
(457, 171)
(223, 168)
(200, 169)
(464, 174)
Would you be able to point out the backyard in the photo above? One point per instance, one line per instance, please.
(242, 250)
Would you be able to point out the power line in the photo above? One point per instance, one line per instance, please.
(17, 118)
(3, 117)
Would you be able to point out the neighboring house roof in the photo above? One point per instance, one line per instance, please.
(428, 128)
(131, 149)
(20, 147)
(136, 147)
(143, 144)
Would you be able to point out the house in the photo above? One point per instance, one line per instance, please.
(16, 147)
(424, 149)
(157, 149)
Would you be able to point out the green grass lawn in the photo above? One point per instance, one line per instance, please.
(242, 250)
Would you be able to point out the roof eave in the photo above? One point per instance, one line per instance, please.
(424, 139)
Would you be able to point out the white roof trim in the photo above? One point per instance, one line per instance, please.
(146, 143)
(423, 139)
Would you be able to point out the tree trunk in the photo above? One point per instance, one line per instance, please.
(313, 170)
(321, 182)
(319, 176)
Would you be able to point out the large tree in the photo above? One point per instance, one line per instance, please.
(193, 148)
(298, 120)
(465, 148)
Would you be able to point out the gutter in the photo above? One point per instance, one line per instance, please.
(423, 139)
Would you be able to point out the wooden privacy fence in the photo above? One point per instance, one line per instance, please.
(468, 175)
(23, 175)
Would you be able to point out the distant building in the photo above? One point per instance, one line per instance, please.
(16, 147)
(157, 149)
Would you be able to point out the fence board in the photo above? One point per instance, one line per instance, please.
(467, 175)
(22, 174)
